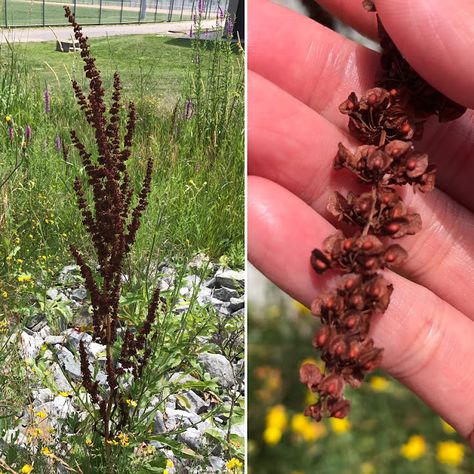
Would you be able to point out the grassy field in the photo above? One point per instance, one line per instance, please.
(389, 430)
(151, 66)
(24, 13)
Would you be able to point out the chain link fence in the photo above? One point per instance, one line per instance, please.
(17, 13)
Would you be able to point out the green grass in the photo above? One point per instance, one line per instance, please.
(381, 421)
(150, 66)
(31, 13)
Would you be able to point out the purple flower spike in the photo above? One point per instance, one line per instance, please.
(220, 12)
(191, 31)
(201, 7)
(10, 133)
(188, 109)
(57, 143)
(28, 133)
(230, 27)
(47, 104)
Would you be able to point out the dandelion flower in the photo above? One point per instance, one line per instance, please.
(340, 425)
(169, 463)
(24, 278)
(26, 469)
(8, 118)
(414, 448)
(379, 384)
(450, 453)
(46, 451)
(272, 435)
(131, 403)
(41, 414)
(234, 465)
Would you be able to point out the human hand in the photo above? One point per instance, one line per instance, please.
(299, 73)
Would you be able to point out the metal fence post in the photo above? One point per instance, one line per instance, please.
(121, 11)
(156, 9)
(100, 12)
(6, 14)
(74, 7)
(44, 12)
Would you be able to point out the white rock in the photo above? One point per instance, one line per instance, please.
(30, 346)
(218, 367)
(231, 279)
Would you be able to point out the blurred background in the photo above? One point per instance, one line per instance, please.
(389, 430)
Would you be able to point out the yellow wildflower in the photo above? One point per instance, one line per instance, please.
(447, 428)
(8, 118)
(272, 435)
(26, 469)
(24, 278)
(37, 432)
(367, 468)
(450, 453)
(301, 308)
(47, 452)
(131, 403)
(277, 418)
(234, 465)
(41, 414)
(306, 428)
(19, 260)
(65, 394)
(165, 471)
(89, 443)
(5, 294)
(379, 384)
(414, 448)
(169, 463)
(340, 425)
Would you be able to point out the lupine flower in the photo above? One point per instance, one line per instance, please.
(191, 31)
(57, 143)
(47, 104)
(10, 133)
(27, 133)
(188, 109)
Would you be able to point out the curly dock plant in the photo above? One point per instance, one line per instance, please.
(112, 220)
(386, 120)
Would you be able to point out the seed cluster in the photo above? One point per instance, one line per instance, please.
(112, 221)
(386, 119)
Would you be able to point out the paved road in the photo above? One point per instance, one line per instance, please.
(30, 35)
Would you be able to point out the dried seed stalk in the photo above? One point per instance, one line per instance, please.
(386, 120)
(112, 222)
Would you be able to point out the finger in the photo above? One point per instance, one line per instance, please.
(437, 39)
(292, 145)
(353, 14)
(312, 63)
(320, 68)
(427, 342)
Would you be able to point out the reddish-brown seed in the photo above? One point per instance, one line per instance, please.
(347, 244)
(393, 228)
(367, 245)
(406, 128)
(411, 164)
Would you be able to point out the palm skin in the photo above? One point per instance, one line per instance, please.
(299, 72)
